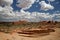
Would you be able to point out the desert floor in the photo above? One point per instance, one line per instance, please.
(52, 36)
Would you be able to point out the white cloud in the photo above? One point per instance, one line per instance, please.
(1, 8)
(8, 15)
(37, 0)
(51, 0)
(36, 16)
(25, 4)
(6, 2)
(45, 6)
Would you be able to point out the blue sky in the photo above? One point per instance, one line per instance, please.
(33, 8)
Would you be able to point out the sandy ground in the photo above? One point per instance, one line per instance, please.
(52, 36)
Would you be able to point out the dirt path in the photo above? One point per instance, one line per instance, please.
(53, 36)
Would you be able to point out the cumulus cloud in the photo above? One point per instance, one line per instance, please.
(6, 2)
(51, 0)
(8, 15)
(36, 16)
(37, 0)
(25, 4)
(45, 6)
(1, 8)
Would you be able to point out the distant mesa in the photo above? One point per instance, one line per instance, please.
(14, 23)
(24, 22)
